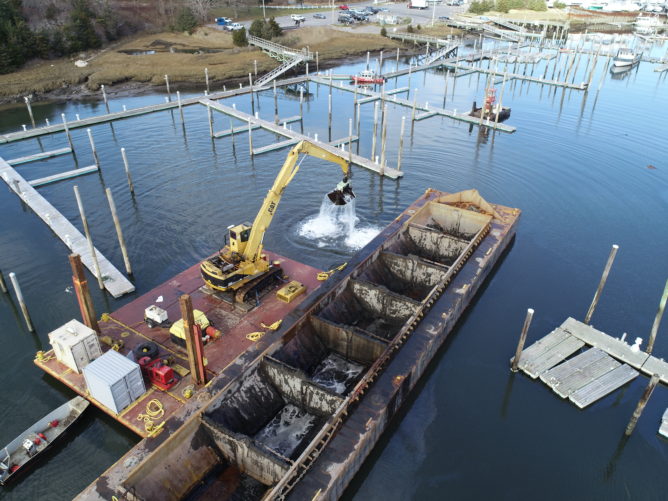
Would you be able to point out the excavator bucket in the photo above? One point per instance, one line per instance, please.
(342, 194)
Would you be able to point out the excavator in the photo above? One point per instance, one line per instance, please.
(240, 268)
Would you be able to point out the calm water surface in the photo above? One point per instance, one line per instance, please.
(578, 167)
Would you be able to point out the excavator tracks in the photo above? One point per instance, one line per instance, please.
(254, 288)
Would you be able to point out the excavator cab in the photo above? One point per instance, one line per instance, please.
(239, 235)
(343, 193)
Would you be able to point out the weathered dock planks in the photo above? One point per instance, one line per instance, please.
(114, 281)
(63, 175)
(602, 386)
(39, 156)
(272, 127)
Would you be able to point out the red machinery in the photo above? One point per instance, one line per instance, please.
(158, 373)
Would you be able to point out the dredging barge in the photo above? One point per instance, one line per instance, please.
(296, 416)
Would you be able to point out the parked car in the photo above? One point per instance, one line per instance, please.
(346, 19)
(320, 16)
(358, 16)
(222, 21)
(297, 18)
(234, 26)
(372, 10)
(444, 18)
(343, 7)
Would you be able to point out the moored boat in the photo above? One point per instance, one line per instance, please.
(491, 109)
(367, 77)
(626, 57)
(29, 445)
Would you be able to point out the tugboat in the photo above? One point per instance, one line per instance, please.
(367, 77)
(489, 111)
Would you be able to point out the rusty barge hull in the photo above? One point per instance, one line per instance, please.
(300, 416)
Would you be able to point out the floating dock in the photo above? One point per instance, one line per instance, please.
(297, 416)
(126, 327)
(601, 364)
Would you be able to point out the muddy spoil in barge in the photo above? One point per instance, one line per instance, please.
(298, 418)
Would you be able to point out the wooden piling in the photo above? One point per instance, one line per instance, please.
(178, 98)
(169, 94)
(601, 284)
(367, 60)
(3, 284)
(275, 104)
(375, 129)
(499, 108)
(380, 63)
(119, 231)
(32, 118)
(210, 117)
(359, 110)
(397, 66)
(329, 113)
(250, 137)
(104, 97)
(92, 146)
(91, 247)
(401, 142)
(22, 303)
(82, 292)
(255, 66)
(67, 132)
(301, 104)
(193, 341)
(523, 338)
(127, 171)
(350, 140)
(206, 79)
(383, 138)
(657, 320)
(641, 404)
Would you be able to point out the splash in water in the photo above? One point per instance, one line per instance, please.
(336, 223)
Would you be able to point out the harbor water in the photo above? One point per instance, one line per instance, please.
(588, 170)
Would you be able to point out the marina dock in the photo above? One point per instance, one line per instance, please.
(114, 281)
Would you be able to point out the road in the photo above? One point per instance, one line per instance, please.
(401, 10)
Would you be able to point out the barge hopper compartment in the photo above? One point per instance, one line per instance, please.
(299, 421)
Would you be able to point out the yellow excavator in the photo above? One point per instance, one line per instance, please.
(240, 268)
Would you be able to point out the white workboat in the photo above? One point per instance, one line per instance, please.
(24, 449)
(626, 57)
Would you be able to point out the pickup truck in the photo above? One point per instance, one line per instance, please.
(297, 18)
(234, 26)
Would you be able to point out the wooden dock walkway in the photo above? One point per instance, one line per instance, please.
(277, 129)
(114, 281)
(110, 117)
(462, 117)
(39, 156)
(605, 365)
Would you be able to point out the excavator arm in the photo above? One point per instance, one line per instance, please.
(253, 250)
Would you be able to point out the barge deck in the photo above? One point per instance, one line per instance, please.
(297, 417)
(126, 327)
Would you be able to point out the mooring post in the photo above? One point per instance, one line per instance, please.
(375, 129)
(380, 62)
(3, 285)
(275, 104)
(401, 142)
(350, 140)
(127, 171)
(500, 105)
(601, 284)
(641, 404)
(383, 137)
(169, 94)
(317, 62)
(210, 117)
(232, 133)
(410, 69)
(358, 123)
(397, 67)
(67, 132)
(83, 293)
(413, 112)
(22, 303)
(657, 320)
(250, 137)
(48, 124)
(178, 98)
(119, 231)
(329, 113)
(91, 247)
(593, 67)
(367, 60)
(355, 98)
(301, 103)
(104, 97)
(32, 118)
(193, 341)
(523, 338)
(255, 66)
(206, 79)
(92, 147)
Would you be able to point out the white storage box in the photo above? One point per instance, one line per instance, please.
(114, 380)
(75, 345)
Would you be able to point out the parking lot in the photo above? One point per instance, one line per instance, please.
(423, 17)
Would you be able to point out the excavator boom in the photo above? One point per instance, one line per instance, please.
(242, 261)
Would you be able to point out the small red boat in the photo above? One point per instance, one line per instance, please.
(367, 77)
